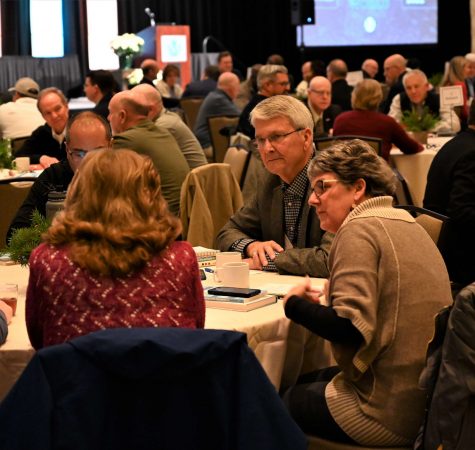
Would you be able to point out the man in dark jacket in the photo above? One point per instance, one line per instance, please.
(450, 190)
(86, 131)
(46, 145)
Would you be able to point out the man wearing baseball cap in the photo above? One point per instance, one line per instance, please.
(21, 116)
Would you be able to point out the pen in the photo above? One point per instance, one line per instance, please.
(207, 269)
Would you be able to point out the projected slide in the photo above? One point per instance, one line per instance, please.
(372, 22)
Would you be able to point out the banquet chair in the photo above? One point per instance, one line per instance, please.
(17, 143)
(238, 158)
(220, 130)
(12, 196)
(191, 107)
(143, 388)
(325, 142)
(402, 195)
(210, 195)
(434, 223)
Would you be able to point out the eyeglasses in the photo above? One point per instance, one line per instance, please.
(282, 83)
(77, 153)
(273, 138)
(321, 186)
(320, 93)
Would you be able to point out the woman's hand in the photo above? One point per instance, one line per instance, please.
(306, 291)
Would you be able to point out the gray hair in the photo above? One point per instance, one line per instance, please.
(352, 160)
(283, 106)
(414, 73)
(268, 72)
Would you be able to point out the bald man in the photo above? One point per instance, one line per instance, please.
(370, 68)
(85, 132)
(217, 103)
(150, 70)
(319, 101)
(163, 118)
(341, 90)
(132, 129)
(395, 67)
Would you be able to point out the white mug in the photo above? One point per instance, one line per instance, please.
(225, 257)
(233, 274)
(22, 164)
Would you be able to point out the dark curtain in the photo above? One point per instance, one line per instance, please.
(254, 29)
(16, 37)
(250, 29)
(75, 31)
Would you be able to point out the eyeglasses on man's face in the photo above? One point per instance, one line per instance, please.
(320, 93)
(77, 153)
(321, 186)
(273, 138)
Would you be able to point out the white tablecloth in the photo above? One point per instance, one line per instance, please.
(284, 349)
(414, 168)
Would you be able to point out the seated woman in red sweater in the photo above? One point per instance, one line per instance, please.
(366, 120)
(110, 259)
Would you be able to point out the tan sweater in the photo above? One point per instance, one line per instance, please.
(389, 279)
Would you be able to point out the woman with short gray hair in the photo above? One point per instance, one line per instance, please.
(387, 281)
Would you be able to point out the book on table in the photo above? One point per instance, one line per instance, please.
(238, 303)
(206, 256)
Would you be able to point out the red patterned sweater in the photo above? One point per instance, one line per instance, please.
(64, 301)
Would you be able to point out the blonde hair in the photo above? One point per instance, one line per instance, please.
(115, 218)
(367, 95)
(454, 71)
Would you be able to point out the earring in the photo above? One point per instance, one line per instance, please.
(353, 206)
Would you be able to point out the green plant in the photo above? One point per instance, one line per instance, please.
(413, 121)
(436, 78)
(24, 240)
(5, 154)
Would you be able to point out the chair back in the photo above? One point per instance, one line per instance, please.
(12, 196)
(144, 388)
(402, 195)
(433, 222)
(220, 130)
(323, 143)
(17, 143)
(238, 158)
(210, 195)
(191, 107)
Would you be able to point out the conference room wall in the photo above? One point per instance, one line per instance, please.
(251, 29)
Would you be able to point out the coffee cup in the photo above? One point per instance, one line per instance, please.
(233, 274)
(22, 164)
(225, 257)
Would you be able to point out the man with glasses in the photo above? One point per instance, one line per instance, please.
(86, 131)
(319, 102)
(276, 229)
(271, 80)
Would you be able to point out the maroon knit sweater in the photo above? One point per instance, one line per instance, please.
(378, 125)
(64, 301)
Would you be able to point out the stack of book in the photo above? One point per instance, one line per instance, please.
(238, 303)
(205, 256)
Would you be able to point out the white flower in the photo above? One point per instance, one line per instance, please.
(127, 44)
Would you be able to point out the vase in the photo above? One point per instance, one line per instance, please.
(419, 136)
(125, 61)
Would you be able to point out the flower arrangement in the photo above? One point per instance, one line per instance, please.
(126, 46)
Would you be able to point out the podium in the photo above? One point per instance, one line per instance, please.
(169, 44)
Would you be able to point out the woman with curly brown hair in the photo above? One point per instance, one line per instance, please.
(110, 259)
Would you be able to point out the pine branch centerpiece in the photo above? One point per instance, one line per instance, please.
(418, 124)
